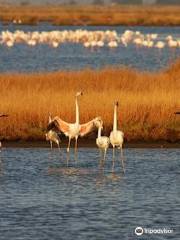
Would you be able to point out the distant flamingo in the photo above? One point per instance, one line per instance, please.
(74, 130)
(172, 43)
(113, 44)
(116, 137)
(160, 45)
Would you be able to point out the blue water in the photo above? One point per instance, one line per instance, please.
(40, 199)
(23, 58)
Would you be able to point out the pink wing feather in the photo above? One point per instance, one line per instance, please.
(61, 125)
(86, 128)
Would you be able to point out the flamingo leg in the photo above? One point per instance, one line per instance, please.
(100, 157)
(69, 143)
(60, 150)
(51, 144)
(75, 149)
(104, 159)
(67, 159)
(58, 146)
(113, 160)
(68, 153)
(122, 159)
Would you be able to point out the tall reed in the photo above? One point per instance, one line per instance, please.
(92, 15)
(147, 101)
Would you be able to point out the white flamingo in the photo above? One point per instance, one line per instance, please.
(113, 44)
(160, 45)
(102, 141)
(116, 137)
(52, 136)
(73, 130)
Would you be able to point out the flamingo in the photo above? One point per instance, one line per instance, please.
(160, 45)
(73, 130)
(102, 141)
(172, 43)
(52, 136)
(113, 44)
(117, 137)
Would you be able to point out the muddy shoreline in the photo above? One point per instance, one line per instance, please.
(87, 144)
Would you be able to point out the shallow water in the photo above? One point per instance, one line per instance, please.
(22, 58)
(40, 199)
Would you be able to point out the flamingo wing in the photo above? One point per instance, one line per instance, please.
(61, 125)
(86, 128)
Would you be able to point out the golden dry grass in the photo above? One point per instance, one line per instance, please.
(93, 15)
(146, 109)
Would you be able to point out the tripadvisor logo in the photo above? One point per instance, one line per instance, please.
(140, 231)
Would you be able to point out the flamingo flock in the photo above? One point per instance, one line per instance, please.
(76, 130)
(89, 39)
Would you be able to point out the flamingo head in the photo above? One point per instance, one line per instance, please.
(79, 94)
(98, 122)
(116, 103)
(47, 138)
(50, 118)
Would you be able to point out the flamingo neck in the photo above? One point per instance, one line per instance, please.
(77, 111)
(50, 119)
(115, 119)
(99, 132)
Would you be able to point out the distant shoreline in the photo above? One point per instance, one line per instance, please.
(91, 15)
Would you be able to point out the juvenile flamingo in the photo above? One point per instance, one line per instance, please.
(102, 141)
(116, 138)
(52, 136)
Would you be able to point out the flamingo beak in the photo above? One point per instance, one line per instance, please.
(79, 94)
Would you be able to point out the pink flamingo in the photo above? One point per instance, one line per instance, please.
(74, 130)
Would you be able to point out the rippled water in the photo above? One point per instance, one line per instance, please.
(22, 58)
(40, 199)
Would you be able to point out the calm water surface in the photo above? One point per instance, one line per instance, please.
(40, 199)
(22, 58)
